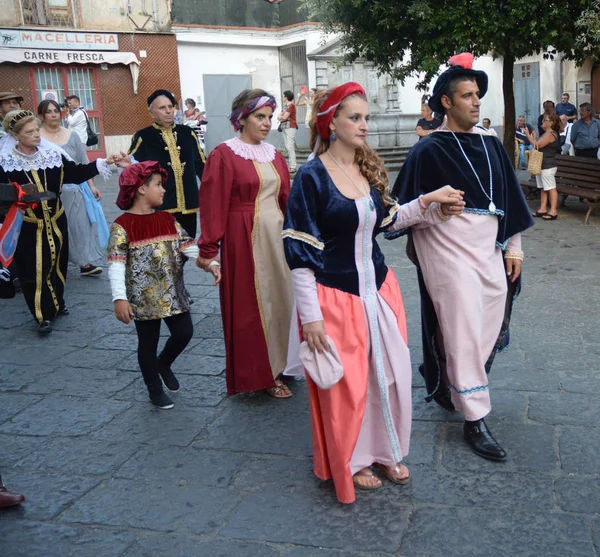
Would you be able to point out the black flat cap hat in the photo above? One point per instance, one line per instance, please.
(161, 93)
(460, 65)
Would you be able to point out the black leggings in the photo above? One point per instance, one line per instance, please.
(181, 329)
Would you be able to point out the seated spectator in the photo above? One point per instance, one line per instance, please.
(487, 125)
(585, 133)
(564, 107)
(525, 136)
(548, 109)
(427, 123)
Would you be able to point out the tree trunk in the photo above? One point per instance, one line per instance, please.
(509, 103)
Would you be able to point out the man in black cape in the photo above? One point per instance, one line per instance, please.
(469, 266)
(177, 150)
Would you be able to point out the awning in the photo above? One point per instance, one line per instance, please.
(37, 56)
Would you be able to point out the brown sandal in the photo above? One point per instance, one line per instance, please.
(280, 390)
(366, 473)
(393, 473)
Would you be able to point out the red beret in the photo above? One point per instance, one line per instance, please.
(134, 176)
(330, 104)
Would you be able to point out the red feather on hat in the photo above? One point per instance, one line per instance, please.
(465, 60)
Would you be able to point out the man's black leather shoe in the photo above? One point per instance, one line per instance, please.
(480, 439)
(45, 328)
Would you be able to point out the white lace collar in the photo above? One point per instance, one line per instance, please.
(42, 159)
(261, 153)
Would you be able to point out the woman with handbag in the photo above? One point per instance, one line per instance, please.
(546, 181)
(348, 300)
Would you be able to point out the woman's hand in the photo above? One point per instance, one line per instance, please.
(453, 209)
(215, 271)
(123, 311)
(314, 334)
(447, 194)
(95, 192)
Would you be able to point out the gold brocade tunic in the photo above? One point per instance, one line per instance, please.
(151, 248)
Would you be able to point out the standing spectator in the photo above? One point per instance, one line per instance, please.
(565, 136)
(487, 125)
(548, 109)
(585, 133)
(289, 131)
(177, 150)
(8, 102)
(546, 181)
(76, 118)
(525, 136)
(191, 112)
(566, 108)
(427, 123)
(307, 101)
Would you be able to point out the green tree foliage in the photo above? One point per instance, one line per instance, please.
(415, 37)
(588, 26)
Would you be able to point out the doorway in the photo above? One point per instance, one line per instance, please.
(219, 92)
(527, 91)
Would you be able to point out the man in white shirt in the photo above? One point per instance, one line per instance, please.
(567, 148)
(76, 118)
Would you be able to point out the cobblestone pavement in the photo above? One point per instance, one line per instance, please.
(108, 475)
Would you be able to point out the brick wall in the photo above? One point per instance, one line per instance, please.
(122, 112)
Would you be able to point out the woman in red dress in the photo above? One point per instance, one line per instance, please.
(243, 197)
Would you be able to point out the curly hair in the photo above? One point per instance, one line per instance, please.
(370, 164)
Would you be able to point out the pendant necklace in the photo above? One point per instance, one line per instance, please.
(366, 192)
(492, 205)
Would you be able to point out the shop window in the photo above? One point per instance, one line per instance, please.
(58, 13)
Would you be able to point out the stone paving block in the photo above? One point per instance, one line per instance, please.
(13, 448)
(144, 423)
(584, 382)
(209, 327)
(425, 441)
(95, 325)
(70, 416)
(207, 306)
(596, 535)
(323, 552)
(511, 377)
(52, 354)
(529, 448)
(374, 523)
(82, 382)
(119, 341)
(163, 507)
(188, 363)
(578, 448)
(189, 465)
(46, 495)
(260, 432)
(497, 489)
(26, 538)
(476, 532)
(564, 409)
(78, 456)
(577, 494)
(170, 545)
(16, 378)
(195, 390)
(16, 316)
(209, 347)
(11, 404)
(93, 359)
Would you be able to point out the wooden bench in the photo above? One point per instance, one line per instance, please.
(576, 176)
(580, 177)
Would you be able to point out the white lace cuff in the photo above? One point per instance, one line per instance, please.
(103, 168)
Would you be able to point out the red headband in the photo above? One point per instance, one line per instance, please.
(133, 177)
(329, 106)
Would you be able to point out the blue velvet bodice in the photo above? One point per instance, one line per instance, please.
(321, 230)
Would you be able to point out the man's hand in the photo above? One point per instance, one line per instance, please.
(513, 268)
(123, 311)
(96, 192)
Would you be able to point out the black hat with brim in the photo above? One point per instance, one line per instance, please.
(161, 93)
(441, 85)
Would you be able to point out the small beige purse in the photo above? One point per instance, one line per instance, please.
(534, 166)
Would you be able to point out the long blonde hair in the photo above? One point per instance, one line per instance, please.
(369, 162)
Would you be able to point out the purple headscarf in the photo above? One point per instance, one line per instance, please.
(254, 105)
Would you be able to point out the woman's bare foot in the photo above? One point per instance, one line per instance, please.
(366, 479)
(397, 474)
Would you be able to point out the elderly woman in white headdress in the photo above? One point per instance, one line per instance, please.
(42, 250)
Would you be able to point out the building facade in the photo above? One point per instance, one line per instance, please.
(111, 54)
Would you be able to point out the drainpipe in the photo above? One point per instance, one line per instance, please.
(155, 15)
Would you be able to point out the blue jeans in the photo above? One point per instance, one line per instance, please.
(522, 149)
